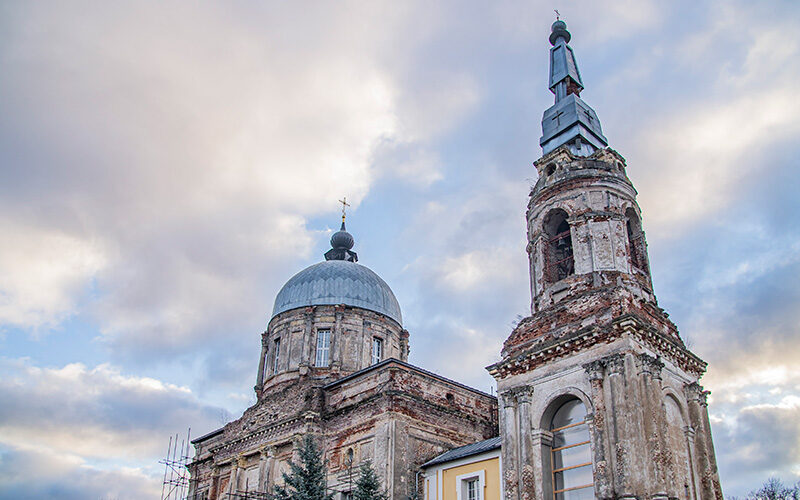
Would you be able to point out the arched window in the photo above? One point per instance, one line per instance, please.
(636, 248)
(571, 453)
(679, 471)
(559, 261)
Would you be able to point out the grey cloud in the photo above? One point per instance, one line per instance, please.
(30, 474)
(95, 412)
(764, 442)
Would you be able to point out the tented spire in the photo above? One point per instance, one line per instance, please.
(570, 120)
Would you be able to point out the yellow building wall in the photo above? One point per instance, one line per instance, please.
(491, 468)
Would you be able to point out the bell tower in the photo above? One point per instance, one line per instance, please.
(599, 396)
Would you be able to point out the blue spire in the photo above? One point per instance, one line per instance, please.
(570, 120)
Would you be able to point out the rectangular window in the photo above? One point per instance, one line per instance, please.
(377, 350)
(470, 486)
(276, 355)
(323, 347)
(472, 489)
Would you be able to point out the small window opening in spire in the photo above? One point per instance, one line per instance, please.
(551, 169)
(636, 245)
(559, 259)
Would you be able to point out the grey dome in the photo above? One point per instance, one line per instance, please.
(338, 282)
(342, 239)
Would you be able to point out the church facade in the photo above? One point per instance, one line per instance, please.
(334, 365)
(598, 395)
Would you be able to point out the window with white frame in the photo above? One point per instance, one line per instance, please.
(472, 489)
(470, 486)
(276, 355)
(323, 347)
(377, 350)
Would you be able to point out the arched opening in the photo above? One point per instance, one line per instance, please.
(551, 169)
(559, 260)
(679, 471)
(571, 453)
(636, 246)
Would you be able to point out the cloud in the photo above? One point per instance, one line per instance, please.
(751, 454)
(186, 151)
(33, 474)
(44, 273)
(94, 413)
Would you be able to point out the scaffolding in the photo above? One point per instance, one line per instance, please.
(176, 472)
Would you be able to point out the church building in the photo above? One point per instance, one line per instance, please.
(599, 397)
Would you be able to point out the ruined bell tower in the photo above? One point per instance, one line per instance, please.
(599, 396)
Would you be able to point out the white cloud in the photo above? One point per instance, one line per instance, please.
(705, 152)
(192, 145)
(43, 274)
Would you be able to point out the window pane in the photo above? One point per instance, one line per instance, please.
(377, 350)
(571, 478)
(571, 435)
(572, 456)
(570, 412)
(323, 347)
(580, 494)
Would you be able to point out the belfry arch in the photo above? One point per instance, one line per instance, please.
(559, 255)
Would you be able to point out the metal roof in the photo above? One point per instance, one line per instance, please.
(338, 282)
(570, 120)
(465, 451)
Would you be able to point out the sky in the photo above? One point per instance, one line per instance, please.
(166, 167)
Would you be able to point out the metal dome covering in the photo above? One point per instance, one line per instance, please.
(335, 282)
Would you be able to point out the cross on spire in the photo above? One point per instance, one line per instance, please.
(344, 203)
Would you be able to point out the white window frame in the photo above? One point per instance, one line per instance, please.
(376, 357)
(322, 358)
(462, 483)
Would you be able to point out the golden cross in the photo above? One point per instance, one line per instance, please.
(344, 203)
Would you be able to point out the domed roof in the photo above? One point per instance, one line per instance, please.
(338, 282)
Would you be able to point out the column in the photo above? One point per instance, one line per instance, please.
(213, 494)
(621, 427)
(337, 357)
(265, 461)
(603, 484)
(231, 489)
(306, 349)
(542, 442)
(508, 421)
(526, 462)
(261, 364)
(654, 423)
(706, 466)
